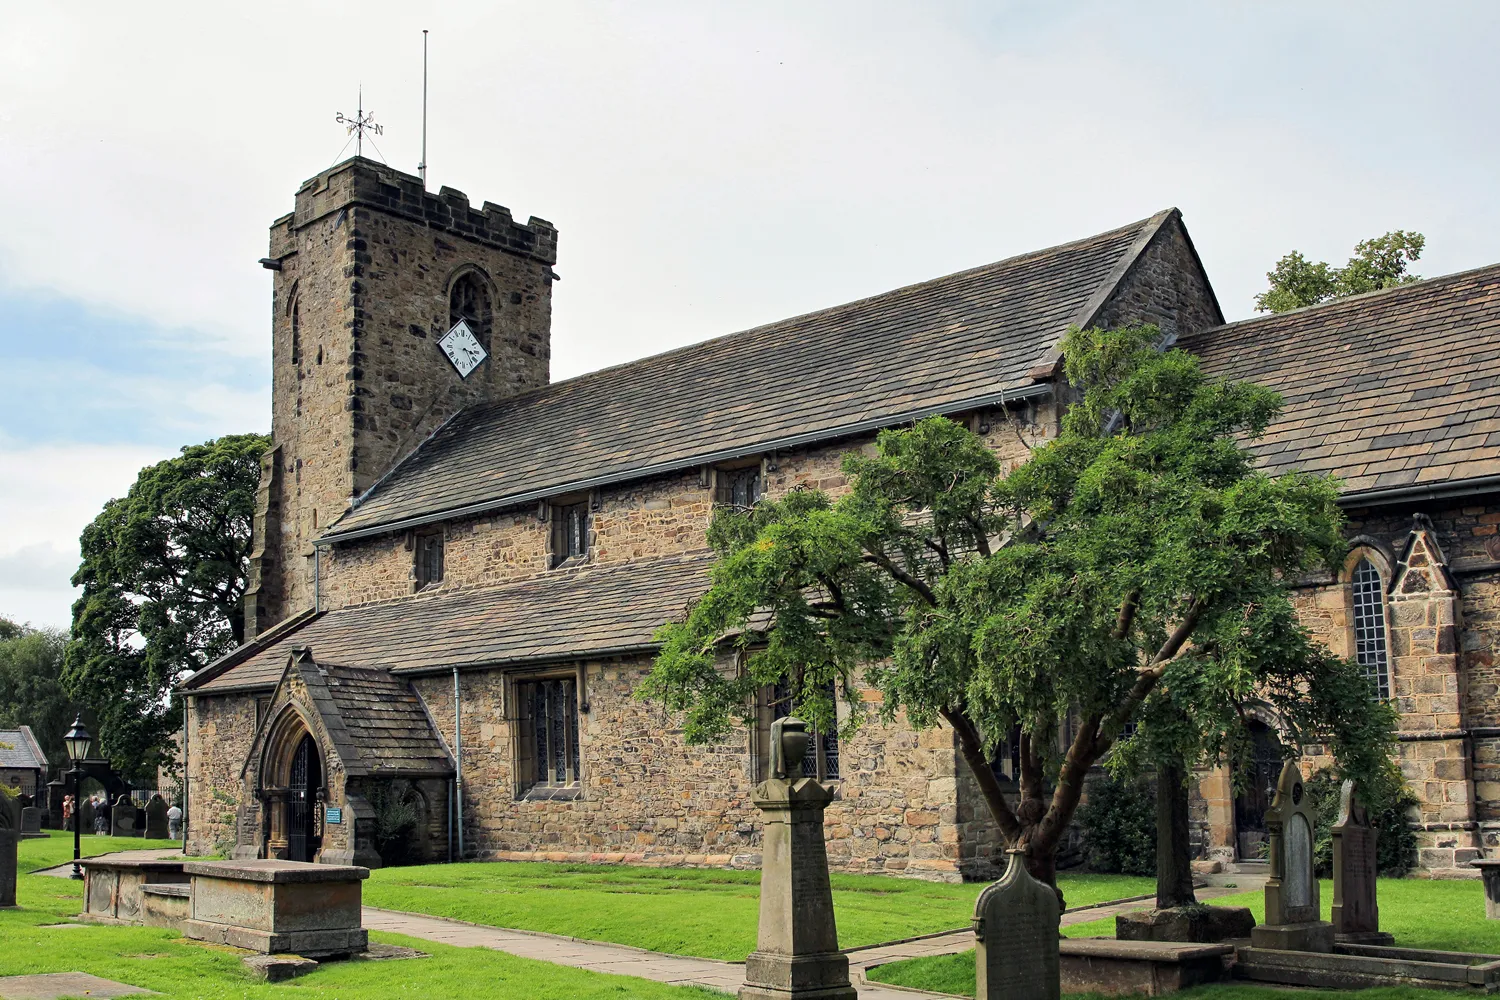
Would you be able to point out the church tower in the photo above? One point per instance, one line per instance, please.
(370, 271)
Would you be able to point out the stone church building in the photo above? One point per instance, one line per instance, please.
(458, 568)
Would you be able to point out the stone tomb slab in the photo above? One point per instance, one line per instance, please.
(277, 907)
(51, 985)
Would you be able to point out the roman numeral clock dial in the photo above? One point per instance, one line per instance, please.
(462, 348)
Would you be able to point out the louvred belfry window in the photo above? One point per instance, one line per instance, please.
(1370, 649)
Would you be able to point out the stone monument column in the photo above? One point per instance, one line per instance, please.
(797, 950)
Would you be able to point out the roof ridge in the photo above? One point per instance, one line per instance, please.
(583, 382)
(1410, 287)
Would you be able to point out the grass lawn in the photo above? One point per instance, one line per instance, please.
(57, 849)
(707, 913)
(180, 969)
(1421, 913)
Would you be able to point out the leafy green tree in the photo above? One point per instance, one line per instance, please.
(1132, 570)
(1377, 263)
(164, 574)
(31, 688)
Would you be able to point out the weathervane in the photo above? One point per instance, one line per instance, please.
(360, 124)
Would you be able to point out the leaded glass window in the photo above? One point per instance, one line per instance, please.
(738, 487)
(822, 760)
(570, 532)
(548, 730)
(1369, 627)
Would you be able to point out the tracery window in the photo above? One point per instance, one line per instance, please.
(1370, 649)
(469, 300)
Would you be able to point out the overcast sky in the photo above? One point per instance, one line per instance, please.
(710, 166)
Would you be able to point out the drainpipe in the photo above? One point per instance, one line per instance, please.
(317, 567)
(458, 762)
(184, 803)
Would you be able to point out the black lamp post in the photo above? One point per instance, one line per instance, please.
(78, 741)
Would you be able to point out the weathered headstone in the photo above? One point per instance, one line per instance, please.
(123, 816)
(10, 838)
(1016, 937)
(84, 816)
(156, 818)
(1292, 911)
(1356, 915)
(797, 953)
(31, 822)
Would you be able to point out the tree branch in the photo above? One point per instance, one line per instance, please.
(901, 575)
(1126, 618)
(971, 744)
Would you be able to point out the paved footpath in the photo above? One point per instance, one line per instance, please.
(678, 970)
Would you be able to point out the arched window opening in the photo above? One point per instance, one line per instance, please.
(470, 301)
(1369, 627)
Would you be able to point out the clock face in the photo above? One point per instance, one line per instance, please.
(462, 348)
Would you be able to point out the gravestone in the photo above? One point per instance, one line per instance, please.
(797, 953)
(1016, 937)
(10, 838)
(1356, 915)
(123, 816)
(31, 822)
(174, 822)
(156, 818)
(1292, 911)
(83, 815)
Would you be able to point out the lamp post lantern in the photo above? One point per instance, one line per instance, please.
(78, 742)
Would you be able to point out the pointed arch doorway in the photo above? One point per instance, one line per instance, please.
(301, 801)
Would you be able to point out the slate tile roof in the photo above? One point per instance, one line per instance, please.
(923, 348)
(579, 613)
(375, 721)
(19, 748)
(1391, 389)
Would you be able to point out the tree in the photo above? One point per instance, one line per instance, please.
(164, 574)
(31, 688)
(1132, 570)
(1377, 263)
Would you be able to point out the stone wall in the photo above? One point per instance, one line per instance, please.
(1166, 286)
(361, 297)
(221, 729)
(646, 797)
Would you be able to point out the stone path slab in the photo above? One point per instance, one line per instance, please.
(51, 985)
(615, 959)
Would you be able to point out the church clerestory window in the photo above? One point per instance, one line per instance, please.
(570, 532)
(469, 300)
(1370, 649)
(547, 754)
(429, 557)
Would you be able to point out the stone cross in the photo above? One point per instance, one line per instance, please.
(123, 816)
(10, 839)
(156, 818)
(1292, 911)
(1356, 917)
(1016, 937)
(797, 953)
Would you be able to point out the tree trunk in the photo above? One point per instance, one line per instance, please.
(1174, 869)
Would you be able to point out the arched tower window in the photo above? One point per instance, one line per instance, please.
(1370, 649)
(469, 300)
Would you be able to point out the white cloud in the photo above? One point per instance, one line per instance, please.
(47, 496)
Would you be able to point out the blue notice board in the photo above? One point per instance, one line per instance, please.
(334, 814)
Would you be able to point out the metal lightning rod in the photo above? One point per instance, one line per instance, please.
(422, 167)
